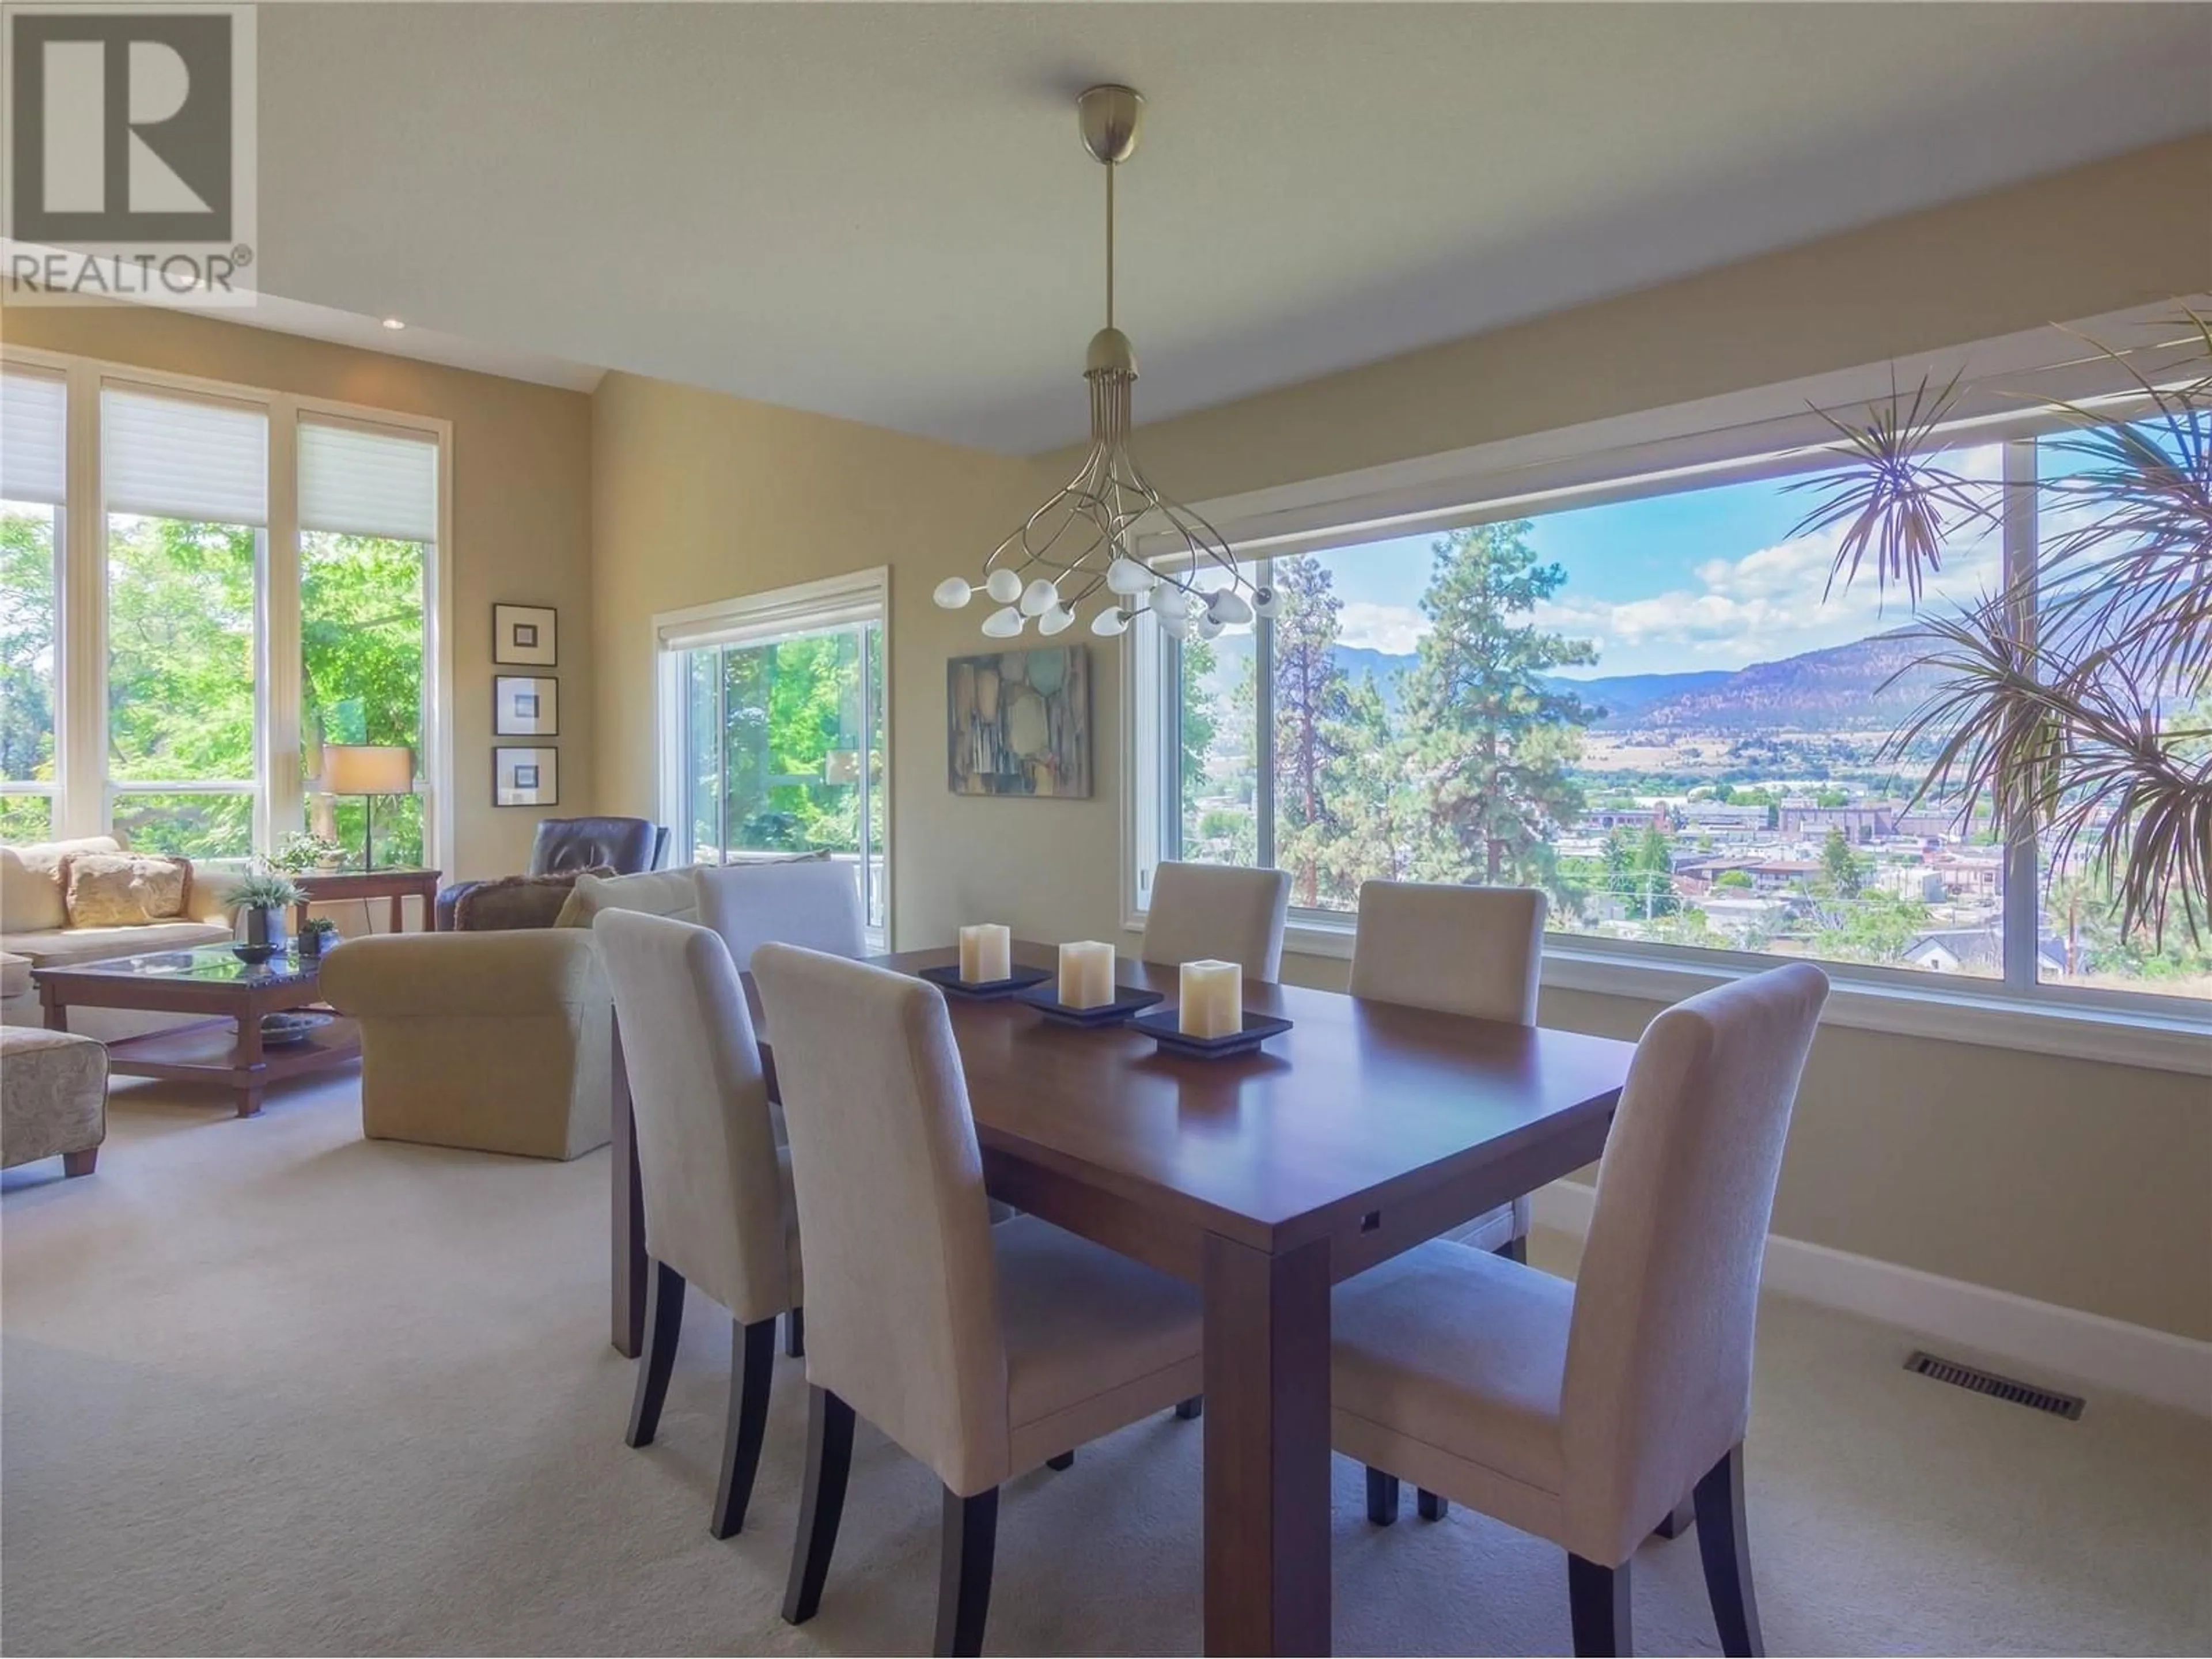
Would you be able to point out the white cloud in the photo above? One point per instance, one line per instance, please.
(1394, 628)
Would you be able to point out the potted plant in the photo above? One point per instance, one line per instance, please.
(304, 850)
(262, 899)
(317, 935)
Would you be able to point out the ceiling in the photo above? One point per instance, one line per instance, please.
(882, 211)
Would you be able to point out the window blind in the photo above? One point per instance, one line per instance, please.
(184, 458)
(364, 482)
(816, 608)
(33, 440)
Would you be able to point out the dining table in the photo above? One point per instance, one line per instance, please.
(1365, 1129)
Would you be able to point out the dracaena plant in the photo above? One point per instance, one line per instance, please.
(2076, 703)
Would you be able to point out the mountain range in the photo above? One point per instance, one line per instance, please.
(1840, 688)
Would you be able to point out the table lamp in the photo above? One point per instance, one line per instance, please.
(368, 769)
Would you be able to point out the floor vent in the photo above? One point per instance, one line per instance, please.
(2067, 1406)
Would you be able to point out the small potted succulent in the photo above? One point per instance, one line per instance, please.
(262, 899)
(317, 935)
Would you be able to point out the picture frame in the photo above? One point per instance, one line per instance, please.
(526, 777)
(1018, 723)
(526, 635)
(526, 706)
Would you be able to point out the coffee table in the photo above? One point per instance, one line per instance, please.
(226, 1047)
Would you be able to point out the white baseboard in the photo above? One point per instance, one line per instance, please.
(2064, 1343)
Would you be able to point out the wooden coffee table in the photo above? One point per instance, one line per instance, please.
(225, 1048)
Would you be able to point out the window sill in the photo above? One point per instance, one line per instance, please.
(1950, 1012)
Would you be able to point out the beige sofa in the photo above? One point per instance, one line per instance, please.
(496, 1042)
(35, 932)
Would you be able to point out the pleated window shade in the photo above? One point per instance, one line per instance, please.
(34, 437)
(184, 458)
(361, 482)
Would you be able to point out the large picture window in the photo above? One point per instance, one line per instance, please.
(174, 656)
(1656, 709)
(772, 731)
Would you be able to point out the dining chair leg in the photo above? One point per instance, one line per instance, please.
(1515, 1249)
(1191, 1408)
(829, 1461)
(1382, 1496)
(964, 1570)
(1724, 1544)
(1429, 1506)
(1597, 1600)
(1065, 1461)
(752, 1368)
(664, 1323)
(794, 1333)
(1678, 1519)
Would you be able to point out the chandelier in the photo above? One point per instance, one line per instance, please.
(1078, 545)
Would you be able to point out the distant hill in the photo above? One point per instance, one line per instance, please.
(1836, 689)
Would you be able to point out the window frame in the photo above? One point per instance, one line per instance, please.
(82, 796)
(859, 598)
(1664, 452)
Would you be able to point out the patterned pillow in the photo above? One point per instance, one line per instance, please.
(124, 889)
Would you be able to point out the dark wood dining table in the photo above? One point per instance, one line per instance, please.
(1365, 1130)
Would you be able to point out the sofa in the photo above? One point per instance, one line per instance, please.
(36, 931)
(497, 1042)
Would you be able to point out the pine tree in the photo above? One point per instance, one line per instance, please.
(1496, 742)
(1311, 706)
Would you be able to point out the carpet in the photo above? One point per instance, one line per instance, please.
(268, 1388)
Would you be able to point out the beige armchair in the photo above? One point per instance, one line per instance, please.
(500, 1043)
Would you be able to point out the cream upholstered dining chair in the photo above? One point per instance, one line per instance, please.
(809, 902)
(814, 902)
(718, 1208)
(1219, 911)
(1583, 1412)
(983, 1350)
(1471, 951)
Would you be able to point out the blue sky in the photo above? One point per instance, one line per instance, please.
(1705, 579)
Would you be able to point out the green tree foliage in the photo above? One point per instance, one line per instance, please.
(1312, 713)
(361, 655)
(1494, 743)
(1378, 815)
(1733, 881)
(1840, 867)
(1198, 723)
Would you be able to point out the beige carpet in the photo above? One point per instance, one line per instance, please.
(271, 1389)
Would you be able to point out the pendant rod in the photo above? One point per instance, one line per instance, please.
(1110, 245)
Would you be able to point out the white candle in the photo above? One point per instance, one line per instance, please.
(986, 953)
(1213, 998)
(1086, 974)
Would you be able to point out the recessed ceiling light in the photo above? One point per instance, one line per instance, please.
(393, 322)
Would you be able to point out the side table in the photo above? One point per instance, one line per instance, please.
(394, 884)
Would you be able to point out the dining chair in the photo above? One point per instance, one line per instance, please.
(983, 1350)
(1475, 952)
(1583, 1412)
(1219, 911)
(813, 902)
(719, 1214)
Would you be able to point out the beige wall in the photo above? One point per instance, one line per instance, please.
(698, 497)
(522, 514)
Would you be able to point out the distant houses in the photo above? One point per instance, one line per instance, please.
(1979, 950)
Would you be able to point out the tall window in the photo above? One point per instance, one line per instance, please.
(186, 487)
(772, 712)
(256, 576)
(33, 487)
(1649, 708)
(368, 518)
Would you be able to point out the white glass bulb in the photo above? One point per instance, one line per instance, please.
(1055, 620)
(1003, 624)
(1265, 602)
(1003, 585)
(951, 593)
(1229, 608)
(1039, 597)
(1127, 576)
(1174, 624)
(1207, 627)
(1110, 621)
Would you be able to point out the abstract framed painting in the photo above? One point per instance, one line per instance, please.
(526, 777)
(1020, 723)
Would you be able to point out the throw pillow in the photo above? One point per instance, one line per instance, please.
(656, 892)
(513, 901)
(124, 889)
(31, 899)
